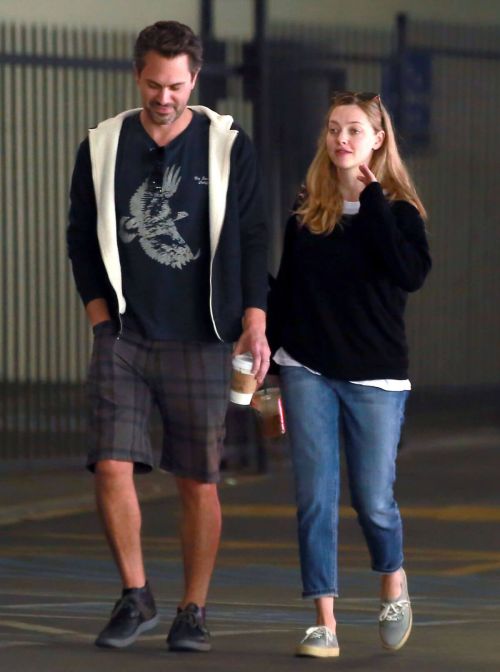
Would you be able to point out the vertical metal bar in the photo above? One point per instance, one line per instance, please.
(400, 65)
(14, 252)
(206, 20)
(43, 214)
(71, 114)
(49, 248)
(54, 397)
(59, 413)
(81, 329)
(5, 389)
(62, 414)
(262, 110)
(31, 252)
(39, 226)
(262, 104)
(78, 335)
(23, 250)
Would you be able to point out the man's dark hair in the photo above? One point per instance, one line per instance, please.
(170, 39)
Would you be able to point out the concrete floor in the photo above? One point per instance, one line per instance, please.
(58, 583)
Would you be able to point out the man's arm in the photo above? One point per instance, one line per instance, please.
(253, 339)
(97, 311)
(254, 244)
(83, 247)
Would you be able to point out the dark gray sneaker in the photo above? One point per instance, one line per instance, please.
(134, 613)
(319, 642)
(188, 631)
(395, 619)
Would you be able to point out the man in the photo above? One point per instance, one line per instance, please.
(167, 240)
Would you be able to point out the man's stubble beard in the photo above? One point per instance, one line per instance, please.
(165, 120)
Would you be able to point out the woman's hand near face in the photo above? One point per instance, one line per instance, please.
(366, 177)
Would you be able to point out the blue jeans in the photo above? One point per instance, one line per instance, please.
(371, 418)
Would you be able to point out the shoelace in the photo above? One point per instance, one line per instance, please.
(124, 605)
(317, 632)
(192, 619)
(393, 611)
(188, 617)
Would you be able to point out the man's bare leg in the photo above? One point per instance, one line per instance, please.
(120, 513)
(118, 506)
(200, 535)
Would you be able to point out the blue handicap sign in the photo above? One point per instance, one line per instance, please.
(413, 78)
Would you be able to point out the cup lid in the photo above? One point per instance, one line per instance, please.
(243, 362)
(244, 357)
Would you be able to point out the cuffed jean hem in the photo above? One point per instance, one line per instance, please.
(315, 595)
(387, 571)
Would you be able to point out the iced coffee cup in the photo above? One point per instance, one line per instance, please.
(243, 381)
(267, 403)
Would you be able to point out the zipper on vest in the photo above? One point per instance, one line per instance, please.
(120, 327)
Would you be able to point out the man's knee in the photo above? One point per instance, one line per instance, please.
(196, 492)
(110, 469)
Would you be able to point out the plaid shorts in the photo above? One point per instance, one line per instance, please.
(189, 383)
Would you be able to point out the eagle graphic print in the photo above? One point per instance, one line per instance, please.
(154, 224)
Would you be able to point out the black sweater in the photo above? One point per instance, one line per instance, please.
(338, 302)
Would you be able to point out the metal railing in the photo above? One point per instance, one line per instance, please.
(443, 84)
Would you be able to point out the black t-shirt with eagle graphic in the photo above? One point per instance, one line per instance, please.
(161, 197)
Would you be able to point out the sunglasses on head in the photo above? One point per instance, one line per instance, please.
(356, 96)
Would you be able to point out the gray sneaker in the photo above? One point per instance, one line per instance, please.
(134, 613)
(395, 619)
(319, 642)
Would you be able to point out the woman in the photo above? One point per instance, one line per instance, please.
(354, 247)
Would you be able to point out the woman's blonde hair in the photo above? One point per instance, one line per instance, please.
(322, 204)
